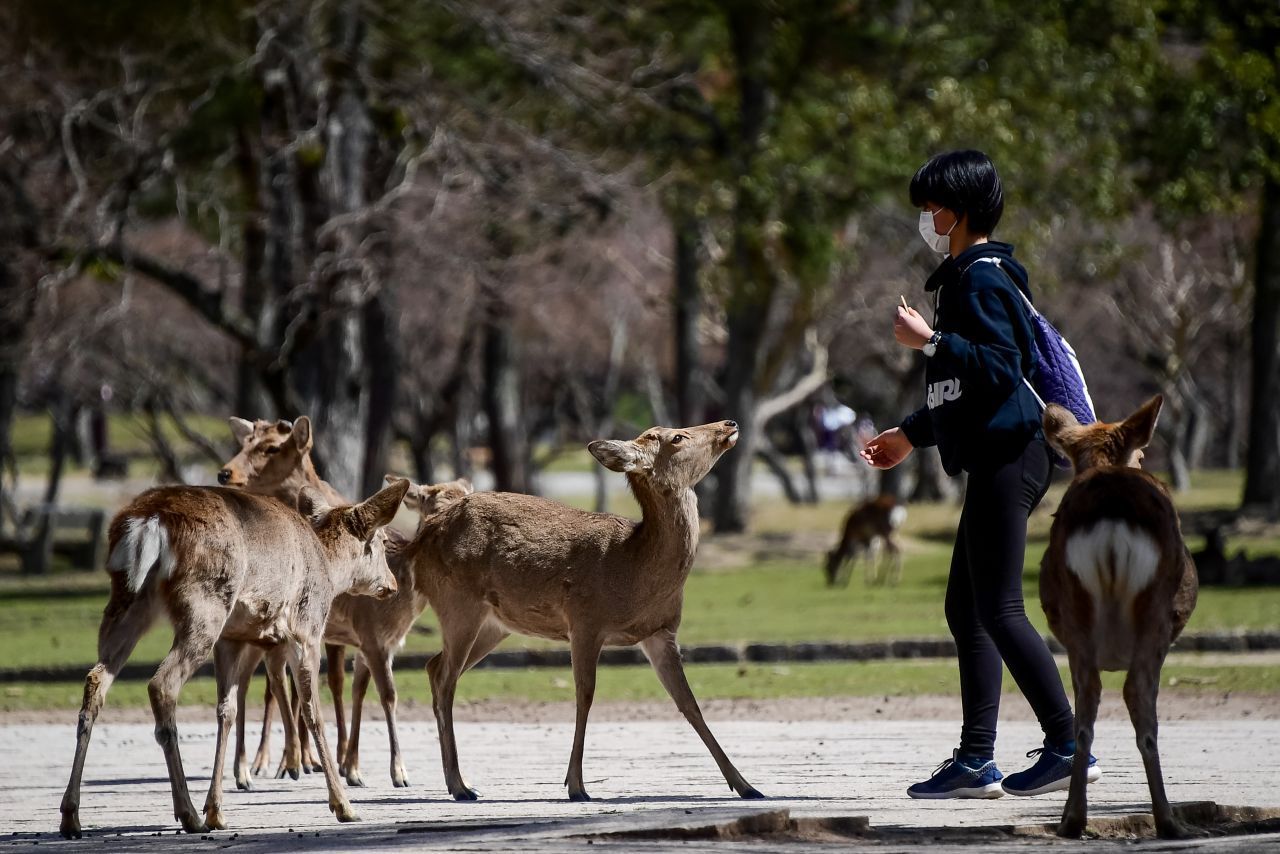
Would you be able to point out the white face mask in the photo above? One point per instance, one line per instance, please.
(937, 242)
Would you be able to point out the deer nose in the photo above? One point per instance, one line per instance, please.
(732, 425)
(224, 476)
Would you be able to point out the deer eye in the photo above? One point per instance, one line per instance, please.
(272, 449)
(677, 439)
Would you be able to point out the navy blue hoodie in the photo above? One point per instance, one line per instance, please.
(978, 410)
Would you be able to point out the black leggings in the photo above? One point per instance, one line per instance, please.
(984, 604)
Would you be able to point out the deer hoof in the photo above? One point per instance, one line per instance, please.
(1071, 828)
(579, 796)
(345, 813)
(466, 793)
(354, 778)
(400, 782)
(244, 784)
(214, 819)
(70, 826)
(750, 793)
(192, 824)
(1178, 830)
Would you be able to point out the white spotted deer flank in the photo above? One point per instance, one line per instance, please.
(1117, 586)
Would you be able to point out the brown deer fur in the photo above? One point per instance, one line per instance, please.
(496, 563)
(275, 460)
(233, 571)
(870, 521)
(1117, 586)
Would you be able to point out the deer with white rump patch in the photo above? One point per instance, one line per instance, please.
(496, 563)
(1117, 585)
(872, 521)
(233, 572)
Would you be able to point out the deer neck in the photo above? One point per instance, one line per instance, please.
(667, 536)
(305, 475)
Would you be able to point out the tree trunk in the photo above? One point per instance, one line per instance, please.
(931, 480)
(39, 554)
(688, 310)
(501, 391)
(1262, 464)
(383, 354)
(733, 484)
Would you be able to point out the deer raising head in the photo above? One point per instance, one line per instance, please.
(354, 539)
(271, 452)
(668, 459)
(1101, 444)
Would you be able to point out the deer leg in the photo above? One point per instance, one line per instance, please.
(309, 761)
(231, 659)
(193, 639)
(664, 654)
(126, 619)
(350, 764)
(894, 555)
(1088, 688)
(244, 779)
(490, 636)
(1141, 688)
(336, 659)
(584, 652)
(458, 632)
(306, 666)
(262, 759)
(277, 678)
(378, 662)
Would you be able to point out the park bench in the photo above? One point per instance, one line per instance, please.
(84, 550)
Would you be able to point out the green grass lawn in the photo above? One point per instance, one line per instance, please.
(709, 681)
(54, 621)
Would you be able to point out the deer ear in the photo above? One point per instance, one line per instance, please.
(301, 433)
(614, 455)
(311, 504)
(392, 478)
(240, 428)
(371, 514)
(1060, 427)
(1140, 427)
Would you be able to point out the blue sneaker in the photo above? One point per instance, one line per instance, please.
(957, 778)
(1050, 773)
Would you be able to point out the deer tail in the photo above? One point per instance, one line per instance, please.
(143, 546)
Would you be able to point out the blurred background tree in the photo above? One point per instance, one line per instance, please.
(474, 234)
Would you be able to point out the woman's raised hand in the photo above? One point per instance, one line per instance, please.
(910, 329)
(888, 449)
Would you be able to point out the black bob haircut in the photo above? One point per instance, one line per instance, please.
(963, 182)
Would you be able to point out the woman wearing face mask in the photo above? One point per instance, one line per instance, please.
(985, 421)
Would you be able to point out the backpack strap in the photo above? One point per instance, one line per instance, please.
(1031, 311)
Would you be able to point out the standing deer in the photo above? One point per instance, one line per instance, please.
(233, 571)
(275, 460)
(496, 563)
(871, 521)
(1117, 586)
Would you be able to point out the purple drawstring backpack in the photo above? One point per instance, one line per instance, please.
(1056, 376)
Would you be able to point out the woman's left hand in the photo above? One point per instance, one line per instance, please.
(910, 329)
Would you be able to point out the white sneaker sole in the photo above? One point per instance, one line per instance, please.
(987, 792)
(1057, 785)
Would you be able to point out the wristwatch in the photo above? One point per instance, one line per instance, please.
(931, 346)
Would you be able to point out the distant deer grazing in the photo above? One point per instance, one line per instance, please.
(233, 572)
(496, 563)
(870, 522)
(1117, 586)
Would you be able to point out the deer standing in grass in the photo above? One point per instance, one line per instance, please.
(871, 521)
(496, 563)
(1117, 585)
(275, 459)
(233, 572)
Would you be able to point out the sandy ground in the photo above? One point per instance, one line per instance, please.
(1173, 707)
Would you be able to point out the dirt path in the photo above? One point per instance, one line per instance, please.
(1173, 707)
